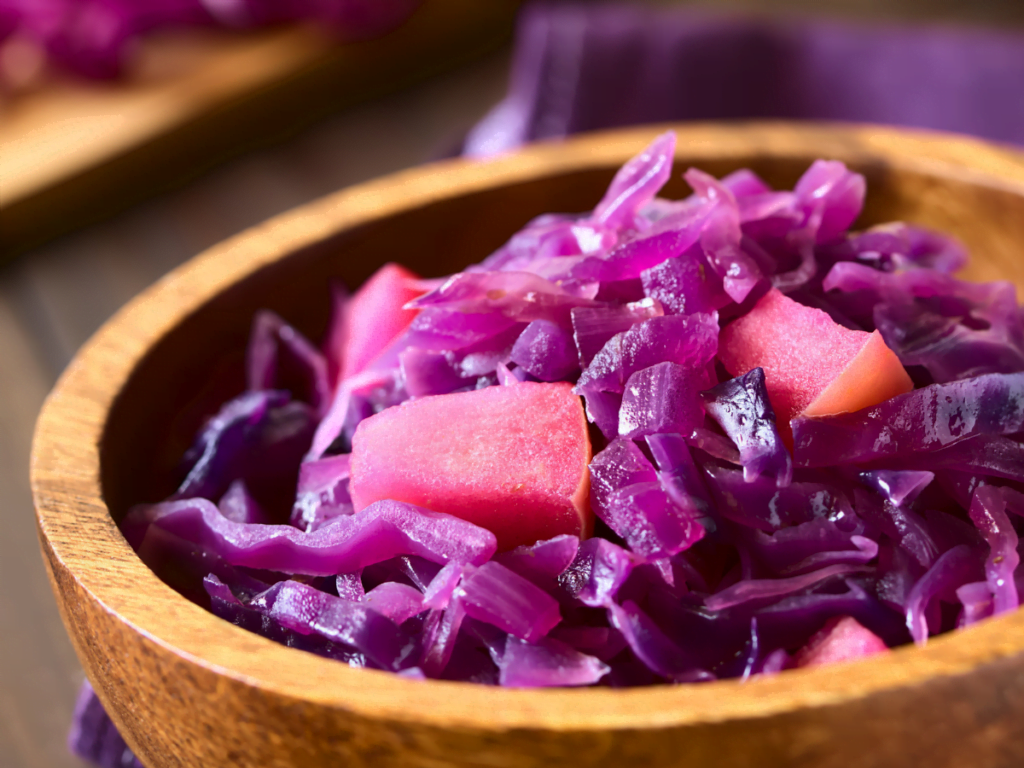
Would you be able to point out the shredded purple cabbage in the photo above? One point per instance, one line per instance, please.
(719, 550)
(278, 354)
(92, 38)
(383, 530)
(742, 410)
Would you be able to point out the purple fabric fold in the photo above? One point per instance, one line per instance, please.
(94, 737)
(581, 67)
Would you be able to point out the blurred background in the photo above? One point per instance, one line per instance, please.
(136, 133)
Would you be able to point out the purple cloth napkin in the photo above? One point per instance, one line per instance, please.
(581, 66)
(93, 736)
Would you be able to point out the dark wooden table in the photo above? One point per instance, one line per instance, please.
(53, 298)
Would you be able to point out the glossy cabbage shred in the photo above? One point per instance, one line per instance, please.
(720, 550)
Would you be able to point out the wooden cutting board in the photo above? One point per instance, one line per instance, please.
(74, 152)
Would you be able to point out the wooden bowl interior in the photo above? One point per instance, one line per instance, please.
(199, 365)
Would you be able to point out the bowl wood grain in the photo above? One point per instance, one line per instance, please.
(188, 689)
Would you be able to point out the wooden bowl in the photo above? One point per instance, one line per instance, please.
(188, 689)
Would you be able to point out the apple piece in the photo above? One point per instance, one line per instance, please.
(512, 459)
(374, 317)
(873, 376)
(841, 639)
(813, 366)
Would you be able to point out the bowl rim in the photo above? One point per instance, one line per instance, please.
(75, 524)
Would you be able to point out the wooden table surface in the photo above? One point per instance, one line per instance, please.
(53, 298)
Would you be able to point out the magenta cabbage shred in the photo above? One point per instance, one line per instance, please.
(718, 552)
(95, 38)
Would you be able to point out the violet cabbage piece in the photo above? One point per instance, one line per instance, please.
(685, 285)
(649, 520)
(238, 506)
(547, 351)
(306, 610)
(661, 398)
(762, 505)
(549, 662)
(258, 437)
(548, 241)
(832, 192)
(620, 464)
(438, 593)
(440, 633)
(592, 327)
(381, 531)
(432, 373)
(602, 409)
(241, 612)
(950, 347)
(653, 647)
(626, 494)
(631, 258)
(607, 567)
(398, 602)
(802, 614)
(278, 355)
(925, 419)
(322, 492)
(898, 246)
(498, 596)
(637, 182)
(768, 589)
(519, 296)
(543, 561)
(953, 328)
(687, 340)
(604, 643)
(344, 410)
(421, 572)
(184, 564)
(350, 586)
(444, 329)
(743, 411)
(955, 568)
(981, 455)
(809, 546)
(897, 487)
(680, 476)
(977, 601)
(988, 513)
(901, 525)
(720, 235)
